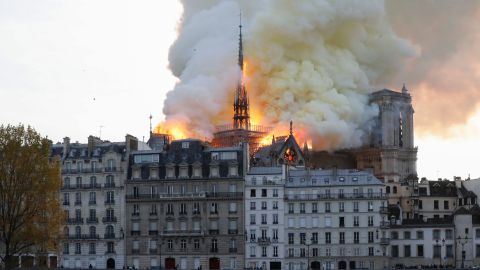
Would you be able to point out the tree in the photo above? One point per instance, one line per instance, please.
(30, 212)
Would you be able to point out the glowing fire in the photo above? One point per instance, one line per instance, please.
(176, 131)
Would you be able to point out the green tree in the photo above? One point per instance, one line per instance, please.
(30, 212)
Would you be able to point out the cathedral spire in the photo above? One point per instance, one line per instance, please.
(241, 118)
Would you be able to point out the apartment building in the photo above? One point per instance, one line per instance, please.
(184, 207)
(335, 219)
(92, 196)
(264, 218)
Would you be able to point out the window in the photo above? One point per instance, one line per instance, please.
(196, 208)
(406, 251)
(355, 206)
(253, 206)
(341, 237)
(370, 251)
(264, 193)
(477, 251)
(214, 245)
(264, 205)
(477, 233)
(252, 251)
(356, 237)
(264, 219)
(252, 219)
(79, 182)
(370, 221)
(419, 250)
(291, 238)
(370, 237)
(303, 238)
(253, 193)
(449, 250)
(328, 238)
(92, 198)
(110, 197)
(435, 204)
(328, 221)
(275, 193)
(78, 248)
(232, 207)
(341, 206)
(91, 248)
(420, 204)
(183, 209)
(314, 208)
(394, 251)
(170, 244)
(66, 248)
(394, 235)
(275, 205)
(275, 251)
(302, 208)
(436, 234)
(445, 205)
(437, 251)
(290, 208)
(196, 244)
(327, 207)
(356, 221)
(370, 206)
(214, 208)
(78, 198)
(406, 235)
(264, 251)
(448, 234)
(275, 234)
(183, 244)
(275, 218)
(419, 234)
(341, 221)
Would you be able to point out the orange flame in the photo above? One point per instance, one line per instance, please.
(177, 131)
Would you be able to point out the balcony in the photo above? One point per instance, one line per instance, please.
(110, 202)
(92, 220)
(74, 221)
(232, 250)
(213, 250)
(384, 241)
(225, 195)
(181, 232)
(383, 210)
(135, 233)
(84, 236)
(153, 232)
(232, 231)
(109, 219)
(213, 232)
(109, 236)
(385, 224)
(78, 202)
(110, 169)
(356, 196)
(109, 185)
(264, 241)
(92, 202)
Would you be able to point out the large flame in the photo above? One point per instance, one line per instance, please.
(176, 130)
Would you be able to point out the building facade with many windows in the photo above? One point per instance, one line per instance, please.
(185, 207)
(335, 219)
(92, 196)
(264, 218)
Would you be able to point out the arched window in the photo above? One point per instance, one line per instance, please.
(394, 190)
(78, 231)
(93, 231)
(388, 189)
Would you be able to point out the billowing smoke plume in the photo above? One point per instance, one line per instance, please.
(313, 62)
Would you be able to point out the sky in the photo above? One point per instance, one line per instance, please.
(80, 68)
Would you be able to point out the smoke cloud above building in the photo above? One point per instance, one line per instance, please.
(313, 62)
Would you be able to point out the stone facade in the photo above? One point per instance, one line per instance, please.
(185, 207)
(335, 219)
(264, 218)
(92, 196)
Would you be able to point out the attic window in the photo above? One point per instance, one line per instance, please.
(326, 180)
(436, 185)
(341, 179)
(354, 178)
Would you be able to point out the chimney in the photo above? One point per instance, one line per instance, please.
(131, 143)
(458, 181)
(66, 147)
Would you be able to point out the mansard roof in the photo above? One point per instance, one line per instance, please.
(264, 170)
(335, 177)
(442, 188)
(80, 151)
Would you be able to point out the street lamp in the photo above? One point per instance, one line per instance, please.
(443, 244)
(462, 241)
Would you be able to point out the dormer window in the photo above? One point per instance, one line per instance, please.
(214, 171)
(185, 145)
(233, 170)
(183, 172)
(341, 179)
(197, 171)
(170, 172)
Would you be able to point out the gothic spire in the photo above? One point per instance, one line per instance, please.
(240, 45)
(241, 118)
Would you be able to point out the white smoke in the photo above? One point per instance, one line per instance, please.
(313, 62)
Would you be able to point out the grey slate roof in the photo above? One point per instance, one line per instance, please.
(302, 177)
(265, 170)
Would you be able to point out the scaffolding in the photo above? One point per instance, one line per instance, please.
(227, 135)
